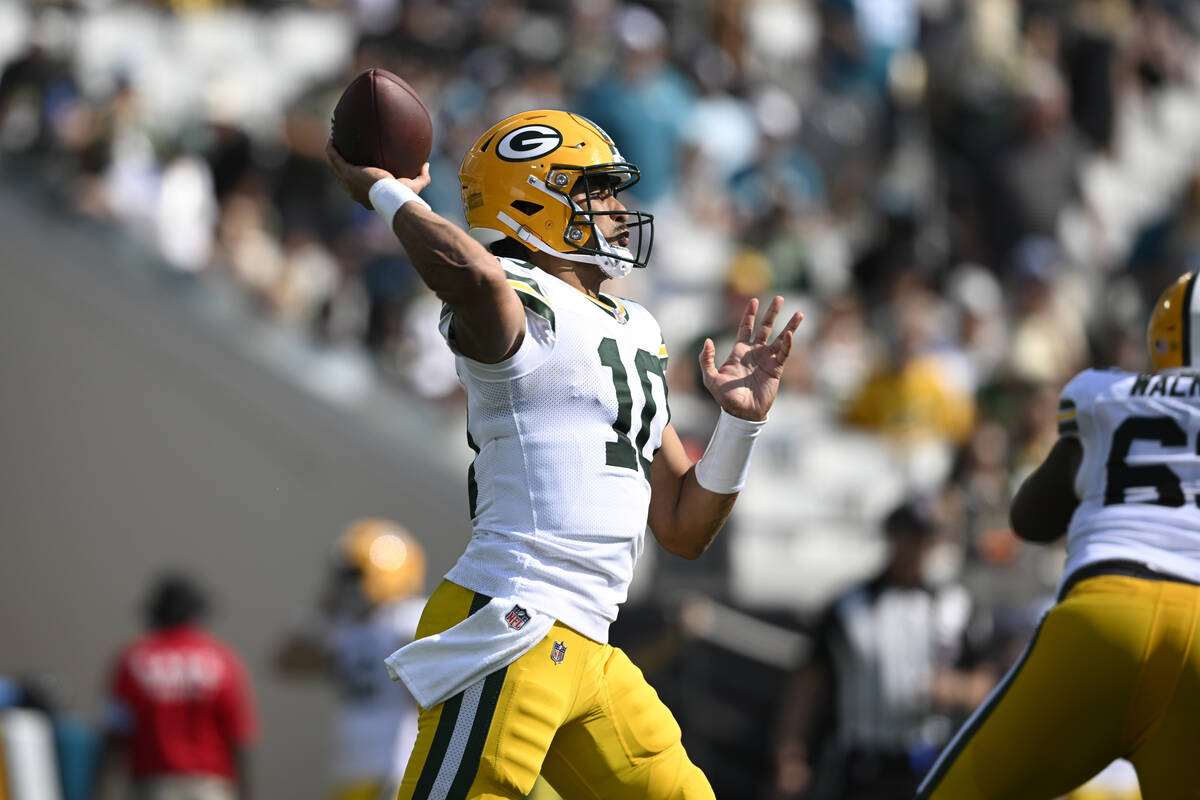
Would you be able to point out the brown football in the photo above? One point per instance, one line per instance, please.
(380, 122)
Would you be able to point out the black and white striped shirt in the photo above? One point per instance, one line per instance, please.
(882, 645)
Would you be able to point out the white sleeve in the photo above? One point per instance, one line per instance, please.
(540, 335)
(1076, 400)
(536, 347)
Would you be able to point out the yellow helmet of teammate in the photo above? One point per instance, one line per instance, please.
(390, 560)
(1175, 326)
(517, 182)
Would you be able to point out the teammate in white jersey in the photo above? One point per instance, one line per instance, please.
(575, 454)
(1114, 669)
(369, 607)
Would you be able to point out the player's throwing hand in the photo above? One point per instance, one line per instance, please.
(746, 384)
(357, 181)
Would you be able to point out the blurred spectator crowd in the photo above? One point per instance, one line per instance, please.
(970, 200)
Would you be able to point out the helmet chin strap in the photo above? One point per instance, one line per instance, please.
(610, 261)
(612, 267)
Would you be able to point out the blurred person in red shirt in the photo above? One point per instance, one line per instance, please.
(180, 704)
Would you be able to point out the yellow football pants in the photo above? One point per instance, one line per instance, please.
(589, 723)
(1113, 671)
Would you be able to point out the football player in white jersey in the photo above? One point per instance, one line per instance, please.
(1114, 668)
(369, 607)
(575, 453)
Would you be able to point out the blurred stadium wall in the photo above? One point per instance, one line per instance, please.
(136, 435)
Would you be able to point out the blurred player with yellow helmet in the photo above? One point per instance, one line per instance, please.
(1114, 668)
(369, 607)
(390, 563)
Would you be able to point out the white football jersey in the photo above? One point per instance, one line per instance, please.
(376, 722)
(564, 433)
(1139, 480)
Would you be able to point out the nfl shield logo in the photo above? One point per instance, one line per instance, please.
(558, 653)
(619, 313)
(517, 618)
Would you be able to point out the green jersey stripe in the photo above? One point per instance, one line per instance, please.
(525, 279)
(536, 303)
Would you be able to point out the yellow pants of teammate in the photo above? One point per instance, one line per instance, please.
(1113, 671)
(585, 719)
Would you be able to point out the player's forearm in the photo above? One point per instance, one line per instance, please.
(456, 267)
(804, 702)
(698, 516)
(1043, 506)
(689, 503)
(488, 317)
(961, 689)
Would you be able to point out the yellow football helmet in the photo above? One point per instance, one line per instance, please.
(388, 557)
(517, 182)
(1174, 324)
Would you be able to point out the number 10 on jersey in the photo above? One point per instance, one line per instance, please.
(623, 452)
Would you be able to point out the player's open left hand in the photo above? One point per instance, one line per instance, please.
(357, 181)
(746, 384)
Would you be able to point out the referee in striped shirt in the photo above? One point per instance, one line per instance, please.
(867, 714)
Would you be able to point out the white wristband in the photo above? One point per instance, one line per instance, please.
(723, 467)
(388, 195)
